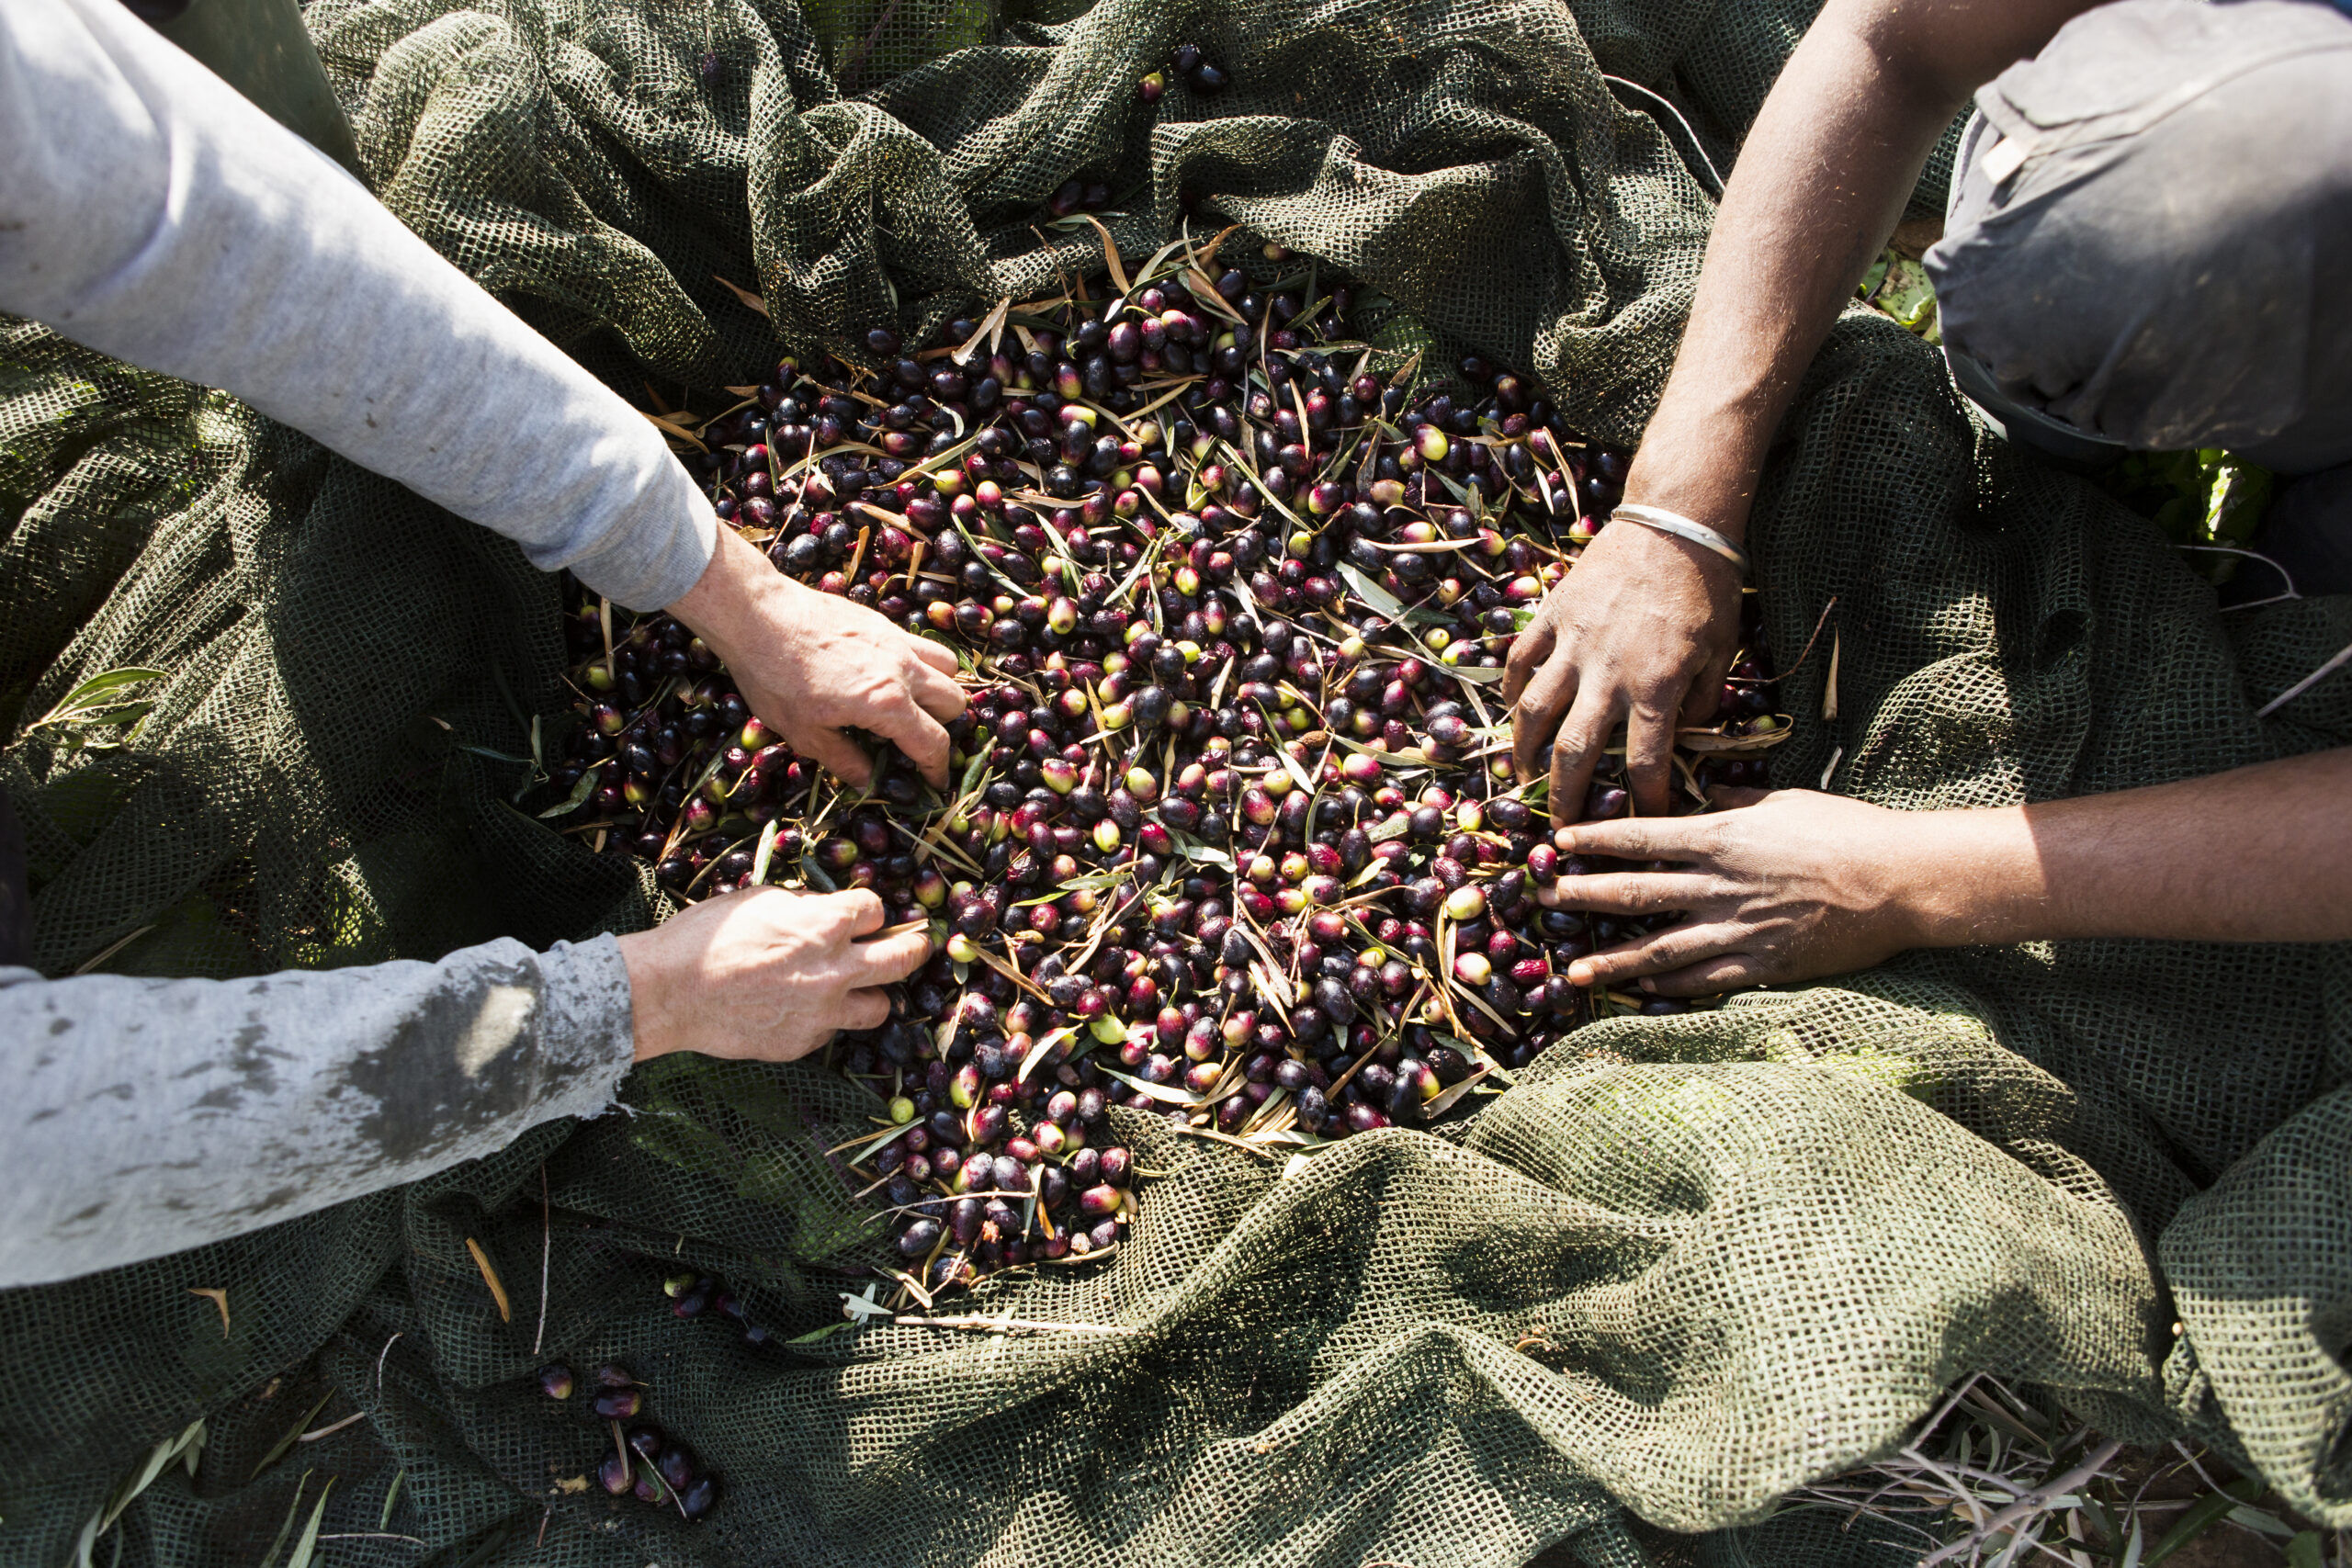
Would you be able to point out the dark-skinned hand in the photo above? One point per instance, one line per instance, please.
(1781, 887)
(1640, 633)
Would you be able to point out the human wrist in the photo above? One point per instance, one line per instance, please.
(645, 956)
(1966, 878)
(1717, 497)
(737, 591)
(1699, 461)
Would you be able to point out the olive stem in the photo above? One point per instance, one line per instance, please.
(998, 1325)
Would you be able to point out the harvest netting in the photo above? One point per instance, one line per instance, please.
(1684, 1265)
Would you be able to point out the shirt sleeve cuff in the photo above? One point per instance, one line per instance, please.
(651, 555)
(587, 1044)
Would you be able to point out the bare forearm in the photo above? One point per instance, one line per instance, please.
(1789, 884)
(1820, 183)
(2261, 853)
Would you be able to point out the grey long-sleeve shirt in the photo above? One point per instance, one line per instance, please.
(149, 211)
(147, 1116)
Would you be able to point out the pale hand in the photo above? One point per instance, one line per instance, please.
(1784, 886)
(765, 973)
(812, 664)
(1641, 632)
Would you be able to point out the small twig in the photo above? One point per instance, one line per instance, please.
(2190, 1459)
(2284, 575)
(1697, 148)
(546, 1238)
(379, 1360)
(2031, 1503)
(2306, 684)
(1808, 643)
(490, 1277)
(996, 1325)
(312, 1436)
(219, 1296)
(91, 963)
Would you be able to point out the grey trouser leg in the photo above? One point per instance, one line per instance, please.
(2150, 239)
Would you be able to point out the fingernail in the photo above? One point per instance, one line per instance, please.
(1649, 985)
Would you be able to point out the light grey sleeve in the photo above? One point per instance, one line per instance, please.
(145, 1117)
(149, 211)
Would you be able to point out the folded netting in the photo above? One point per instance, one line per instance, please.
(1684, 1265)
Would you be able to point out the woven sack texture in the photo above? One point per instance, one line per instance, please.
(1684, 1265)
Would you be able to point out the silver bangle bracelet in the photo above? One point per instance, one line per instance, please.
(1682, 527)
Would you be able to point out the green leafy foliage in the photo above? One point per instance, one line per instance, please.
(102, 713)
(2204, 497)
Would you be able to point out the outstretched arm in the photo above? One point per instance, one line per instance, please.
(1793, 884)
(148, 1116)
(1642, 631)
(149, 211)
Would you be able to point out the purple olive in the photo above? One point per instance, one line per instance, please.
(676, 1467)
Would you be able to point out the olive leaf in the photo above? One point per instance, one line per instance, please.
(1193, 848)
(1167, 1094)
(187, 1447)
(1372, 593)
(100, 704)
(308, 1542)
(766, 850)
(580, 792)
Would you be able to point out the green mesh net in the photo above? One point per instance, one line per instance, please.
(1686, 1265)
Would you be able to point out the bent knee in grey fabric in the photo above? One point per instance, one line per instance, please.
(2146, 233)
